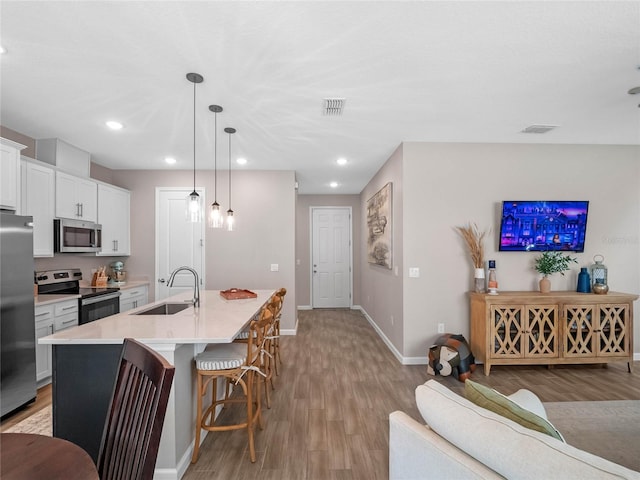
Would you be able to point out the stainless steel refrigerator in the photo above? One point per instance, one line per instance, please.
(17, 324)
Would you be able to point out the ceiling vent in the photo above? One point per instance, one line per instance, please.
(539, 128)
(333, 106)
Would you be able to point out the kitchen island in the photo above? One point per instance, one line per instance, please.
(85, 362)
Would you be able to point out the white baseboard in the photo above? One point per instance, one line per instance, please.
(305, 307)
(402, 359)
(636, 357)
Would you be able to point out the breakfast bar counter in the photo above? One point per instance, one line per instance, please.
(85, 362)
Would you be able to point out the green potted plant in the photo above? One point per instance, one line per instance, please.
(549, 263)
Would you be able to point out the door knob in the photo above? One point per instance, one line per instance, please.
(161, 280)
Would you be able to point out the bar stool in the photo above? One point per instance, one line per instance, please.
(237, 363)
(275, 344)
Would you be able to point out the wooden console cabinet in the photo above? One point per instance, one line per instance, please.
(526, 328)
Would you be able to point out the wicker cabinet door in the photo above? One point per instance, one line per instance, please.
(506, 340)
(613, 330)
(541, 331)
(579, 330)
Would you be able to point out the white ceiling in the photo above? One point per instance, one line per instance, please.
(410, 71)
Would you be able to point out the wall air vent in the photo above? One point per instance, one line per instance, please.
(539, 128)
(333, 106)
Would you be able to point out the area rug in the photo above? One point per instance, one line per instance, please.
(610, 429)
(40, 422)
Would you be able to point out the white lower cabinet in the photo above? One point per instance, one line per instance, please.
(44, 327)
(131, 298)
(49, 319)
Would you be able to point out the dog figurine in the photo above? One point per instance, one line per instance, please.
(451, 355)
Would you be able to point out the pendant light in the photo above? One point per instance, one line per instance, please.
(215, 216)
(230, 218)
(194, 209)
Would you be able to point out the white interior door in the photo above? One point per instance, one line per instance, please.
(178, 242)
(331, 257)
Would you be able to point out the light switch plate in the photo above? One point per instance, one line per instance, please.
(274, 267)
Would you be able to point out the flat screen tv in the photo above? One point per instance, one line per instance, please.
(528, 225)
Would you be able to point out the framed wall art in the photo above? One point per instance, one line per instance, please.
(379, 213)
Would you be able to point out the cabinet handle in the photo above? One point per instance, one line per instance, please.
(73, 320)
(115, 246)
(50, 329)
(82, 209)
(43, 313)
(69, 307)
(78, 210)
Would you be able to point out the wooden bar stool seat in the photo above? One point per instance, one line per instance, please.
(236, 364)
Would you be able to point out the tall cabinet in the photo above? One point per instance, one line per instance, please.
(10, 174)
(527, 328)
(113, 215)
(38, 200)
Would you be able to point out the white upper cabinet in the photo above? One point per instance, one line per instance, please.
(114, 216)
(76, 198)
(38, 197)
(10, 174)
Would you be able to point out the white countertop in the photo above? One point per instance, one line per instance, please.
(217, 320)
(47, 299)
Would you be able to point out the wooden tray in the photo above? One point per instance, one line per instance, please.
(237, 294)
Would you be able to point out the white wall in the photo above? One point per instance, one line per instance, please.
(264, 206)
(446, 185)
(382, 294)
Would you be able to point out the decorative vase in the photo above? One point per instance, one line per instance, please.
(545, 285)
(478, 277)
(600, 288)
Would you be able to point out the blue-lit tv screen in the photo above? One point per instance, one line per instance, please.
(543, 225)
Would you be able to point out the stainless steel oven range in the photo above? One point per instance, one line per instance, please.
(94, 303)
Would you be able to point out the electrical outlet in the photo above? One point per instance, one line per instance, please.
(414, 272)
(441, 328)
(274, 267)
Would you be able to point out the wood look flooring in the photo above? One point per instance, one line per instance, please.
(338, 384)
(336, 388)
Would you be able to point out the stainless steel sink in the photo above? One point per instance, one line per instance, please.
(165, 309)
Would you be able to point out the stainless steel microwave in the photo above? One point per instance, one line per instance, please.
(76, 236)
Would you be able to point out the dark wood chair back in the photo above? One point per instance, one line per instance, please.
(133, 426)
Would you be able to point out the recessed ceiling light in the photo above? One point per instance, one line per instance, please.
(2, 49)
(341, 161)
(113, 125)
(333, 184)
(170, 160)
(241, 161)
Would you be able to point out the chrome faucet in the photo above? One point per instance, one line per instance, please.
(196, 286)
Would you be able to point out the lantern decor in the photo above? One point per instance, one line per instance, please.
(599, 275)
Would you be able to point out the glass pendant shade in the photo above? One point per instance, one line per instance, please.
(194, 207)
(216, 220)
(231, 223)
